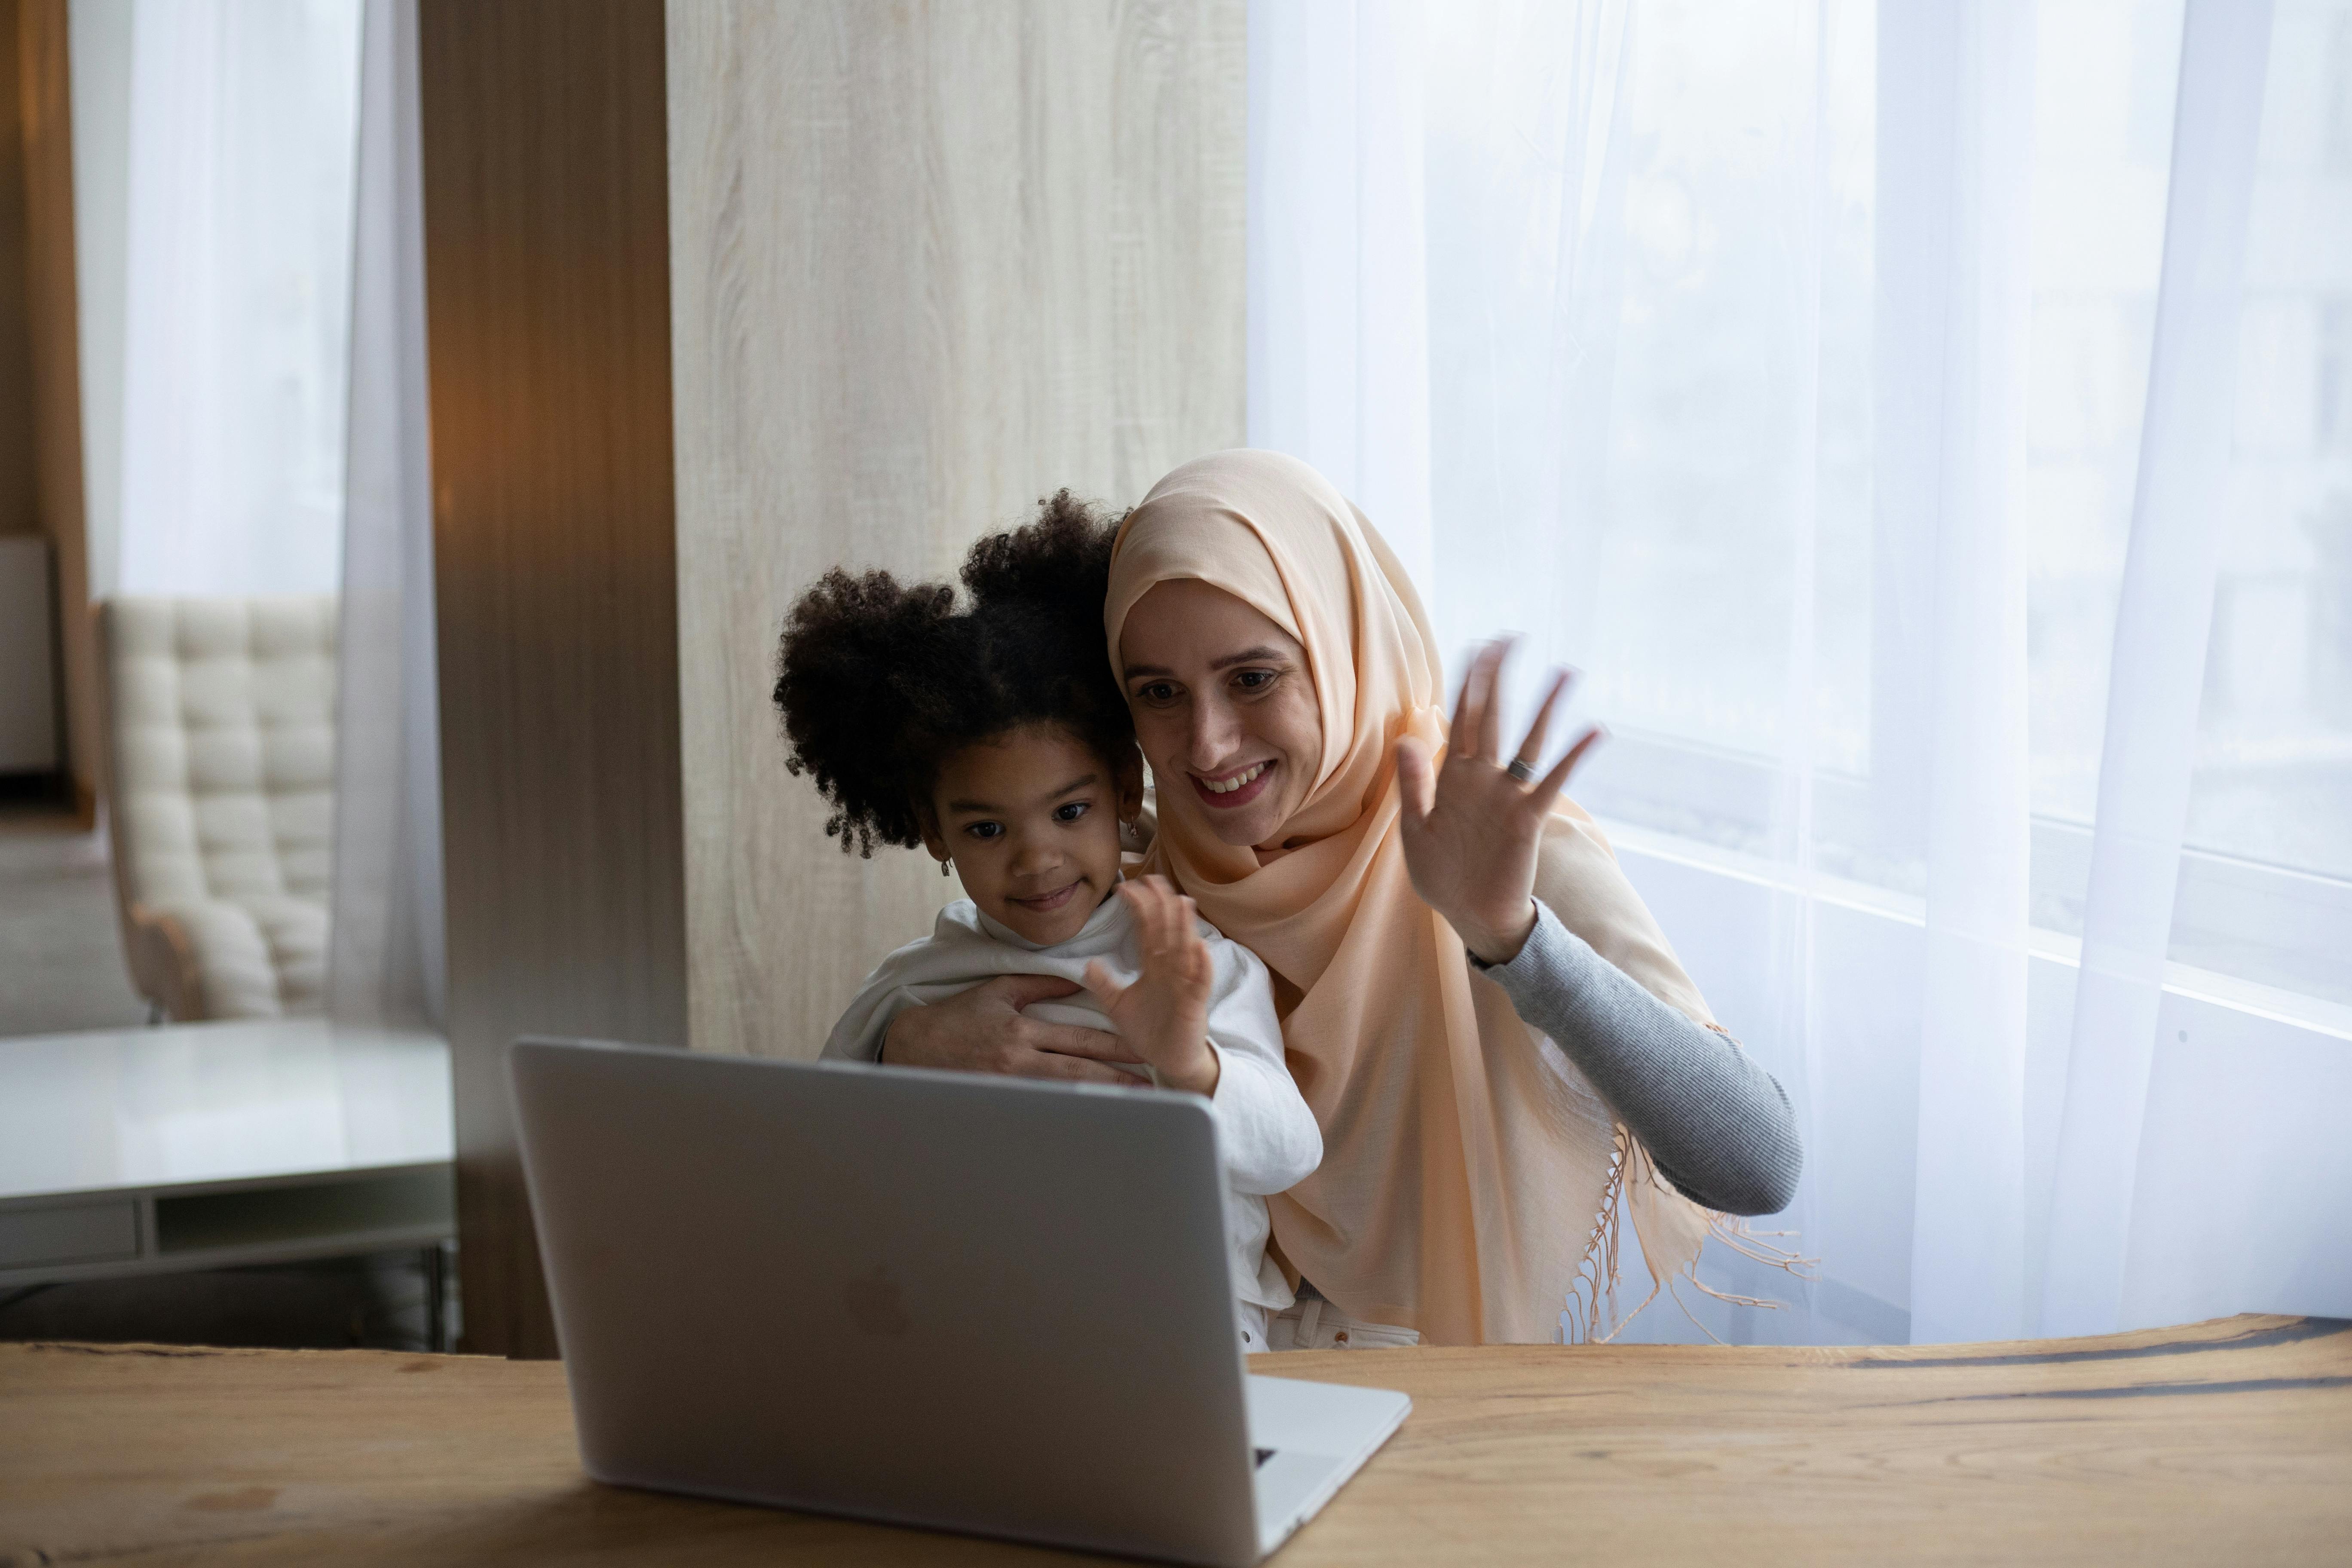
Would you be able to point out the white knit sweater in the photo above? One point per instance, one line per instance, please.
(1267, 1138)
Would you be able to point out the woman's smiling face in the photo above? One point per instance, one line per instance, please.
(1225, 708)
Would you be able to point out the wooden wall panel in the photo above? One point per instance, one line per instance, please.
(18, 512)
(548, 309)
(46, 102)
(928, 263)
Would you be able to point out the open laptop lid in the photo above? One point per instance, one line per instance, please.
(932, 1297)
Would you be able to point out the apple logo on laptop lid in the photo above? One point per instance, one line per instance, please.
(873, 1302)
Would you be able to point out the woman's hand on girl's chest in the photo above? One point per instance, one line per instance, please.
(983, 1029)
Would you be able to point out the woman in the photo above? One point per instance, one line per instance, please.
(1493, 1033)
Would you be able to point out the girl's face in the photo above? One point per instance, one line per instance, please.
(1225, 708)
(1031, 820)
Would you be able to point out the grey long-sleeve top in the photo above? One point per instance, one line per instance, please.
(1717, 1124)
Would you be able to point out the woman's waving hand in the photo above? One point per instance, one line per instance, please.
(1471, 825)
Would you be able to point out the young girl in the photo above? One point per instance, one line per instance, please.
(996, 739)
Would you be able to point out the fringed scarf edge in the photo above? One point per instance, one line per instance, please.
(1598, 1273)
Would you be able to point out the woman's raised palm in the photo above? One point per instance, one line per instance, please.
(1470, 828)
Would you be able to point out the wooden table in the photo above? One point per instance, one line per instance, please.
(2228, 1441)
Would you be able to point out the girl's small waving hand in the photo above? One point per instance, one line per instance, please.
(1164, 1014)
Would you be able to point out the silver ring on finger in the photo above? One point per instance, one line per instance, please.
(1522, 770)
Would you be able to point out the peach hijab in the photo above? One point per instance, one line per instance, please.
(1470, 1174)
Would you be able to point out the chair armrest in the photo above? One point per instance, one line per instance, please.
(162, 960)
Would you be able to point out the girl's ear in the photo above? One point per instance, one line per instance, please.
(934, 841)
(1131, 784)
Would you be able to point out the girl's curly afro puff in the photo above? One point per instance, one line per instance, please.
(880, 681)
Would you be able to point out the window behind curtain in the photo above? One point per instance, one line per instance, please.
(237, 280)
(1707, 402)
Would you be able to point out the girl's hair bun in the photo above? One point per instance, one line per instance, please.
(855, 651)
(1062, 560)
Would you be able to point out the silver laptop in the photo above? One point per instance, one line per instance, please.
(944, 1299)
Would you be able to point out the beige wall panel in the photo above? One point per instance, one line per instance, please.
(928, 263)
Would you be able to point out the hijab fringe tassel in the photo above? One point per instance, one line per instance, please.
(1595, 1286)
(1597, 1273)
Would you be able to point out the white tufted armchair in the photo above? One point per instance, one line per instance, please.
(220, 761)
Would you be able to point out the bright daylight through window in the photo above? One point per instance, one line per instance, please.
(1722, 575)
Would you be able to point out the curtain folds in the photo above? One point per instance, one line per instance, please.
(385, 951)
(2161, 627)
(1783, 368)
(238, 241)
(1337, 275)
(1954, 116)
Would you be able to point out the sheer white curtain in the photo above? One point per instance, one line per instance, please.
(385, 963)
(1783, 366)
(273, 403)
(235, 323)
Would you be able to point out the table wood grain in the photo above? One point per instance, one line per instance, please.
(2228, 1441)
